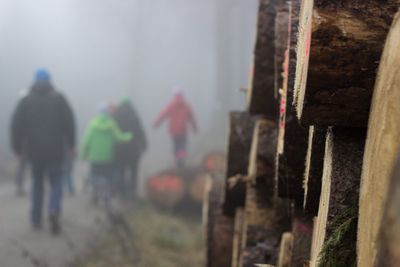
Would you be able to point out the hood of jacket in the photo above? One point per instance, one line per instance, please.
(42, 88)
(103, 123)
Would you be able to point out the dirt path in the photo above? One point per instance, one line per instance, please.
(22, 247)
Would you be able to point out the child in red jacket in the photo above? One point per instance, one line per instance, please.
(180, 116)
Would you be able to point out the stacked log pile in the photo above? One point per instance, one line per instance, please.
(292, 136)
(308, 172)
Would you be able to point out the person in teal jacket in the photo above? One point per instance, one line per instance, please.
(101, 137)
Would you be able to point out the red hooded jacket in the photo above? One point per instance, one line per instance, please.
(180, 115)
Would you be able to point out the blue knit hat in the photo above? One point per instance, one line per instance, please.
(42, 75)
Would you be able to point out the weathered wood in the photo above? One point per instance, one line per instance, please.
(286, 249)
(340, 45)
(262, 98)
(282, 21)
(302, 236)
(264, 224)
(292, 141)
(314, 168)
(262, 155)
(238, 236)
(239, 146)
(389, 239)
(382, 146)
(340, 184)
(220, 229)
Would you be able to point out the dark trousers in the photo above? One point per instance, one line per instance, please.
(180, 149)
(126, 176)
(101, 177)
(41, 171)
(20, 175)
(68, 179)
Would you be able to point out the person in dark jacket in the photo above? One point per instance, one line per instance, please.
(127, 157)
(43, 129)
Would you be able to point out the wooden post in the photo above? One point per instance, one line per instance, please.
(313, 171)
(340, 45)
(340, 188)
(239, 144)
(382, 147)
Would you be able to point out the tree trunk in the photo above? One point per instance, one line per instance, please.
(340, 45)
(239, 146)
(262, 98)
(381, 147)
(302, 235)
(314, 167)
(286, 249)
(238, 237)
(292, 142)
(220, 229)
(264, 224)
(340, 186)
(262, 155)
(389, 239)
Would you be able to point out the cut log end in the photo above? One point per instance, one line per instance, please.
(329, 88)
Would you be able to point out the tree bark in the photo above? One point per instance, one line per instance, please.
(220, 229)
(340, 184)
(239, 146)
(389, 239)
(262, 97)
(381, 147)
(262, 155)
(340, 46)
(292, 140)
(314, 168)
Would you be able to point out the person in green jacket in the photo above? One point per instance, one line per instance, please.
(101, 137)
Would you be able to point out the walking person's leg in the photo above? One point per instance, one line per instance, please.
(67, 176)
(119, 177)
(181, 150)
(134, 168)
(37, 195)
(20, 176)
(55, 202)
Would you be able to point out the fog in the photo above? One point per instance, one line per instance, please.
(101, 50)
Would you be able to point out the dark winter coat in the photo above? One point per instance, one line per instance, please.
(129, 121)
(43, 125)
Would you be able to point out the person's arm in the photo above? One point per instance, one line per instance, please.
(163, 115)
(69, 123)
(120, 136)
(86, 141)
(140, 135)
(192, 120)
(17, 130)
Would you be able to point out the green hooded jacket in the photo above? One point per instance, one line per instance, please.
(100, 139)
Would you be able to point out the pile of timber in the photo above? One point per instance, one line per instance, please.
(309, 178)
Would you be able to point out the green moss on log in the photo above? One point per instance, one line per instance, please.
(339, 249)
